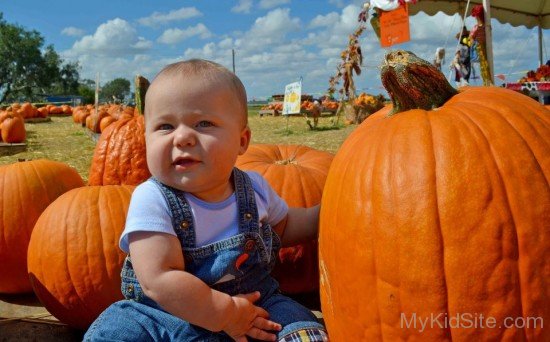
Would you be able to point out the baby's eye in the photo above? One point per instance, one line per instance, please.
(165, 127)
(205, 123)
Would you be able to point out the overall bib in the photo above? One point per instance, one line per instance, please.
(236, 265)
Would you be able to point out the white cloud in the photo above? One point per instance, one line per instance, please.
(114, 38)
(274, 25)
(109, 68)
(337, 3)
(176, 35)
(279, 47)
(158, 18)
(226, 43)
(325, 20)
(267, 4)
(72, 31)
(244, 6)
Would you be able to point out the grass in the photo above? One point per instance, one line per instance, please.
(294, 130)
(63, 140)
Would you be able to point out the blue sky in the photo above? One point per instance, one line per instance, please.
(275, 41)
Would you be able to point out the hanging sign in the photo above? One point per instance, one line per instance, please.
(293, 95)
(394, 26)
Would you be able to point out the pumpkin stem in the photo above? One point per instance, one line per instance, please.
(286, 161)
(413, 82)
(141, 84)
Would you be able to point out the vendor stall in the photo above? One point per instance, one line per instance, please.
(540, 90)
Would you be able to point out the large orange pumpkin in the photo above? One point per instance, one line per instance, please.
(297, 173)
(433, 215)
(119, 156)
(74, 262)
(26, 189)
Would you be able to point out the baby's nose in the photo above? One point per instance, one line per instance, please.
(184, 136)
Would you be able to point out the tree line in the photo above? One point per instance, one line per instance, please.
(30, 72)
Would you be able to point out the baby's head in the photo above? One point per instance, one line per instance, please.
(195, 127)
(206, 72)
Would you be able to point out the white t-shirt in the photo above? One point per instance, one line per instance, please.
(148, 211)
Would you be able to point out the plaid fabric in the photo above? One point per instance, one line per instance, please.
(306, 335)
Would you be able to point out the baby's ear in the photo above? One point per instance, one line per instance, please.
(245, 139)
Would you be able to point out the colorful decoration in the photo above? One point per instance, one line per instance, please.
(477, 35)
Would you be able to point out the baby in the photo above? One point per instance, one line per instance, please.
(202, 235)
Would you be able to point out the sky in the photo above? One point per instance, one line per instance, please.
(275, 42)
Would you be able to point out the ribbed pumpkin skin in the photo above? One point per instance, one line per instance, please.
(300, 183)
(119, 156)
(443, 211)
(74, 261)
(26, 189)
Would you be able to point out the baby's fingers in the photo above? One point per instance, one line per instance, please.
(265, 324)
(260, 313)
(261, 335)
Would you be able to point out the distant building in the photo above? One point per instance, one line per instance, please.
(73, 100)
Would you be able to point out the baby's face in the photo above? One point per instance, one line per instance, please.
(194, 131)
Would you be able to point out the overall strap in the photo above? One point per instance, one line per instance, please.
(246, 202)
(182, 217)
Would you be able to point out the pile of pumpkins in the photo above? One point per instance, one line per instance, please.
(13, 117)
(66, 248)
(106, 114)
(12, 122)
(435, 206)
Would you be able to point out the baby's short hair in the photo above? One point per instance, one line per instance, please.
(211, 71)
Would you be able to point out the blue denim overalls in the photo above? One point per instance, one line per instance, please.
(139, 318)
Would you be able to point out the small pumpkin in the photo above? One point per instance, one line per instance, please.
(27, 188)
(13, 129)
(440, 212)
(297, 173)
(74, 262)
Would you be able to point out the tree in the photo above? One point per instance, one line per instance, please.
(70, 74)
(86, 89)
(27, 73)
(21, 62)
(63, 76)
(115, 90)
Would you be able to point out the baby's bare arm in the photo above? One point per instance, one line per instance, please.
(300, 225)
(158, 262)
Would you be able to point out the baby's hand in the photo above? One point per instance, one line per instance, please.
(249, 319)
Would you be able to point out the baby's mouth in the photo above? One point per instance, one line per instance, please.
(184, 163)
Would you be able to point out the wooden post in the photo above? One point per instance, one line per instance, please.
(96, 102)
(541, 62)
(489, 39)
(233, 53)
